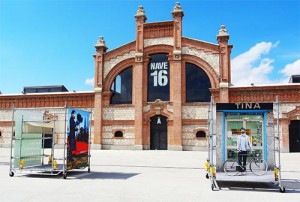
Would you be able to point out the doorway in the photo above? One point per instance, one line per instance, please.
(158, 133)
(294, 136)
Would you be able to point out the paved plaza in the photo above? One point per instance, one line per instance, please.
(141, 176)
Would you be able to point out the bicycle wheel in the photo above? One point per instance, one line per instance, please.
(258, 166)
(230, 167)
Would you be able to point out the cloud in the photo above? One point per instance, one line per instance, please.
(249, 67)
(291, 69)
(89, 81)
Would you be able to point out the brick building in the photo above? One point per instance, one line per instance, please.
(154, 92)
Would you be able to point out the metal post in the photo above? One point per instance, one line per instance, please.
(89, 143)
(53, 144)
(278, 136)
(11, 140)
(65, 142)
(21, 139)
(211, 132)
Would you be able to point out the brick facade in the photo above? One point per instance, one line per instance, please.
(184, 119)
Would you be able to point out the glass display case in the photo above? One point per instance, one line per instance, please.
(254, 129)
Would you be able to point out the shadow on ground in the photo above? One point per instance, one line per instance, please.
(102, 175)
(291, 186)
(84, 175)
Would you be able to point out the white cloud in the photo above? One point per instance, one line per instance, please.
(89, 81)
(291, 69)
(250, 67)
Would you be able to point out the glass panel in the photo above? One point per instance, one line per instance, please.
(122, 88)
(197, 84)
(233, 130)
(255, 130)
(231, 153)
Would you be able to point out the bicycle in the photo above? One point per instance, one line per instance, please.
(257, 165)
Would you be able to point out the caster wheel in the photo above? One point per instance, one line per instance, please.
(206, 176)
(65, 176)
(89, 170)
(282, 189)
(11, 174)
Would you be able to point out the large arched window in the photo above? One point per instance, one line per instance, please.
(197, 84)
(121, 88)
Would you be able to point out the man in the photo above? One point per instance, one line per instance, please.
(243, 145)
(71, 137)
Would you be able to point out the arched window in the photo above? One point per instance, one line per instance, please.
(121, 88)
(118, 133)
(200, 133)
(197, 84)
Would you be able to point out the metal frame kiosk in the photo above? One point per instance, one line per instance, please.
(224, 126)
(40, 141)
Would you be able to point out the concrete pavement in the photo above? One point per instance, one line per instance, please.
(140, 176)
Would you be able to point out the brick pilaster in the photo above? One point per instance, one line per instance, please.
(225, 51)
(98, 85)
(138, 72)
(176, 84)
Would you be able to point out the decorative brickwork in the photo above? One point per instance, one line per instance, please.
(195, 112)
(158, 29)
(211, 58)
(108, 65)
(158, 41)
(120, 113)
(85, 99)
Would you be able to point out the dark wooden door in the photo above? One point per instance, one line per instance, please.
(294, 136)
(159, 133)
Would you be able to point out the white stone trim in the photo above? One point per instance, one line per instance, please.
(122, 113)
(159, 41)
(195, 112)
(108, 65)
(211, 58)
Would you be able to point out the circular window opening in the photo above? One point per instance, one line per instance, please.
(118, 134)
(200, 134)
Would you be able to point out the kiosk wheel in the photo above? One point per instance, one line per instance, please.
(65, 176)
(230, 167)
(282, 189)
(259, 167)
(11, 174)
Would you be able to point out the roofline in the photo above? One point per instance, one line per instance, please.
(119, 47)
(266, 85)
(201, 41)
(47, 93)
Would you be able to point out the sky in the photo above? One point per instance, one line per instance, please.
(51, 42)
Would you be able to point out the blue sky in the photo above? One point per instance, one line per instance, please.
(51, 42)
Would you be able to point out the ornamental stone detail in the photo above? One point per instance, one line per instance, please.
(146, 108)
(195, 112)
(123, 113)
(192, 128)
(210, 58)
(6, 115)
(159, 41)
(117, 127)
(283, 108)
(108, 65)
(170, 108)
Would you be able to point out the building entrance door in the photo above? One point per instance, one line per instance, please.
(294, 136)
(159, 133)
